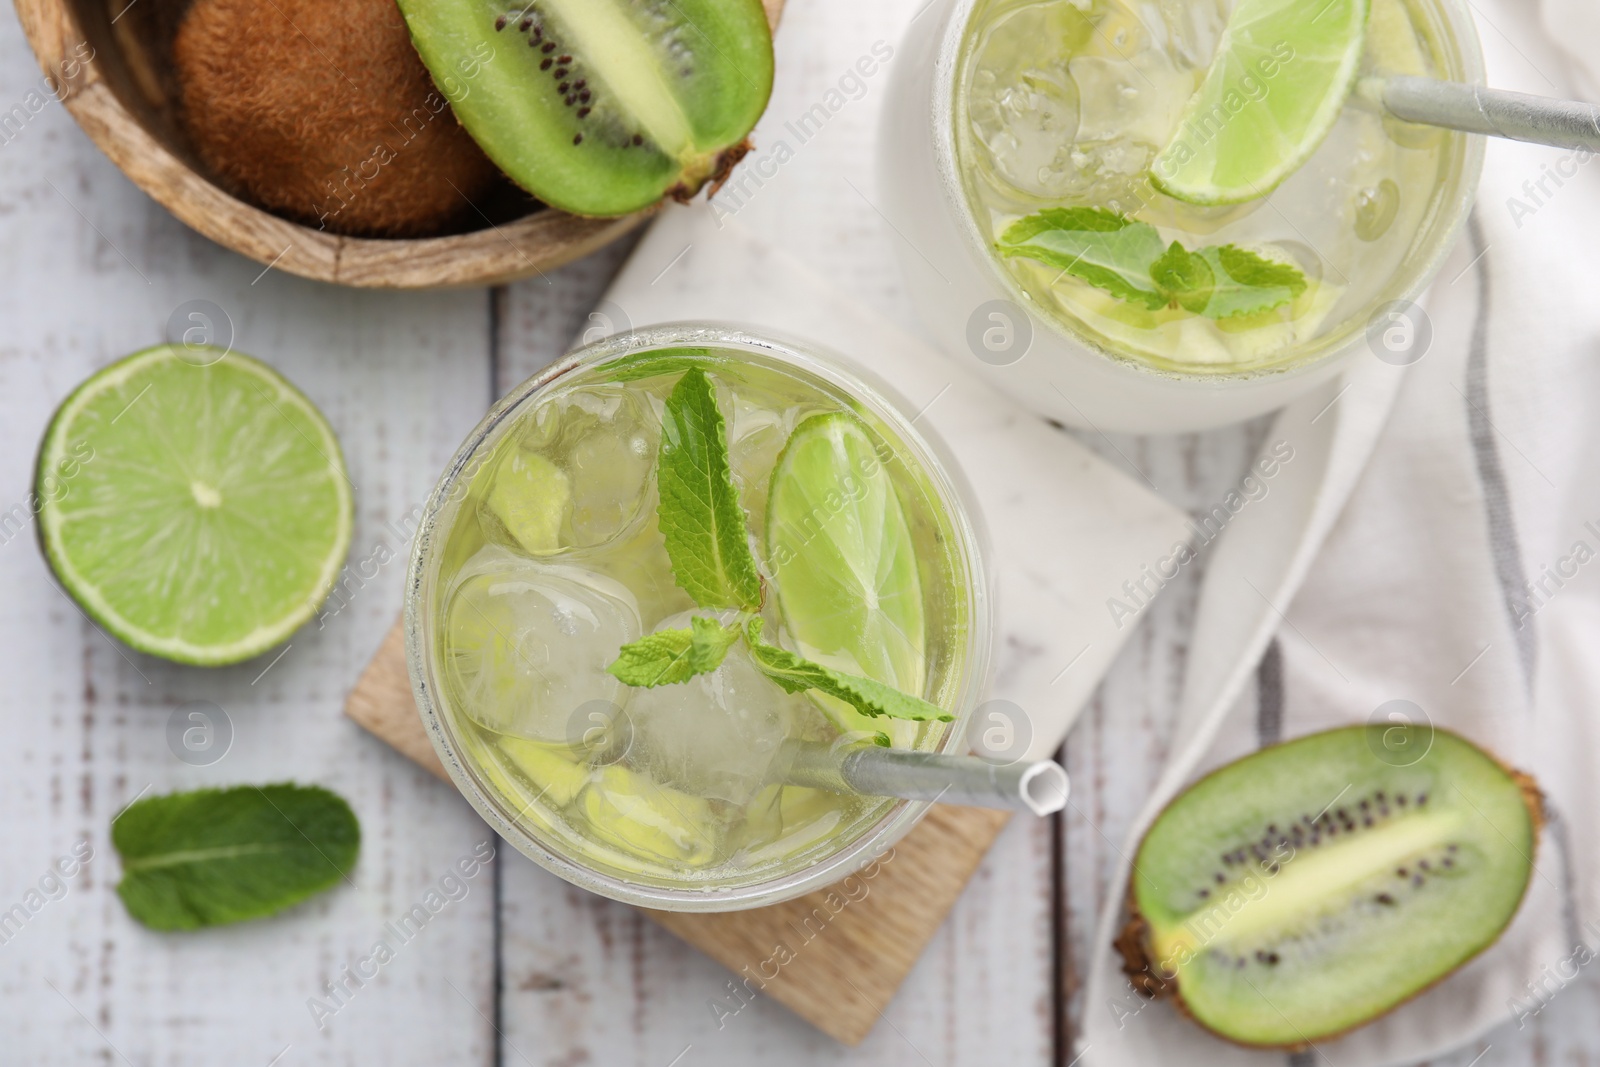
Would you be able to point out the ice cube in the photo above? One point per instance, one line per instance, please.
(639, 561)
(527, 642)
(610, 470)
(1128, 101)
(606, 443)
(530, 500)
(1024, 106)
(591, 452)
(716, 735)
(1073, 103)
(756, 436)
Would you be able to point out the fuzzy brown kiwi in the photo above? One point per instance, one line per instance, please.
(322, 112)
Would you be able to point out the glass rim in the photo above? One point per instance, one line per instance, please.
(955, 496)
(1447, 217)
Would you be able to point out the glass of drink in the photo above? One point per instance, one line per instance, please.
(566, 544)
(1002, 111)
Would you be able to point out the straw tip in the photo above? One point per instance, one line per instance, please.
(1044, 788)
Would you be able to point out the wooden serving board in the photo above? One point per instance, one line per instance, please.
(836, 956)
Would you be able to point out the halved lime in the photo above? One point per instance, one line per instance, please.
(207, 512)
(1276, 85)
(843, 560)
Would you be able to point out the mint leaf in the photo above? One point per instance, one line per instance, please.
(699, 513)
(668, 657)
(1184, 277)
(661, 658)
(711, 643)
(215, 856)
(1246, 283)
(637, 366)
(1126, 258)
(793, 674)
(1100, 247)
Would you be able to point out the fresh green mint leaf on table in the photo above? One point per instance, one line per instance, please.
(668, 657)
(215, 856)
(699, 513)
(1127, 259)
(794, 674)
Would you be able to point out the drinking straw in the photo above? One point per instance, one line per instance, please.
(1495, 112)
(1039, 786)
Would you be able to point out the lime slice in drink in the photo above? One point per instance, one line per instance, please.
(531, 497)
(845, 566)
(642, 818)
(558, 780)
(1276, 85)
(207, 514)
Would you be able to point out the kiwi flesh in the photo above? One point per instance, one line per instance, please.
(1315, 885)
(321, 112)
(601, 107)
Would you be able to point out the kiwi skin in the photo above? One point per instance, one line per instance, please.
(322, 112)
(1139, 959)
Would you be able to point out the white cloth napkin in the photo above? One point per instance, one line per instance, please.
(1064, 527)
(1402, 557)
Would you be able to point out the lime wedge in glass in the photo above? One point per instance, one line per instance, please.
(1276, 85)
(559, 780)
(531, 497)
(207, 514)
(642, 818)
(845, 567)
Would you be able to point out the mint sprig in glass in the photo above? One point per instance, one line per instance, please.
(707, 541)
(661, 567)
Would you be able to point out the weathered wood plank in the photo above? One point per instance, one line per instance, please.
(1116, 751)
(91, 270)
(587, 980)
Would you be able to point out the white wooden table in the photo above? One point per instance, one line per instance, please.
(523, 970)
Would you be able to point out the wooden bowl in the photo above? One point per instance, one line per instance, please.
(109, 61)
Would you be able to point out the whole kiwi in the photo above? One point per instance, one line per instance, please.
(322, 112)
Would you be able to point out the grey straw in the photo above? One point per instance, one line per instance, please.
(1495, 112)
(1038, 786)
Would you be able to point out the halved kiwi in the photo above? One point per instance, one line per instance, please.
(601, 107)
(1312, 886)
